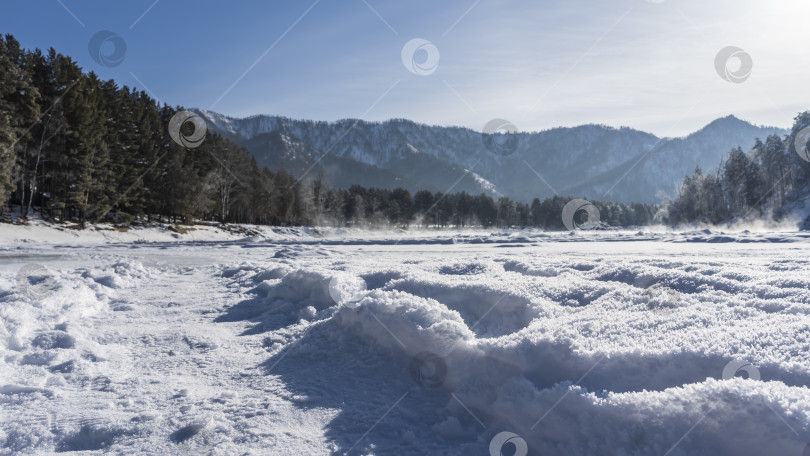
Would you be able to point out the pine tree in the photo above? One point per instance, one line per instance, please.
(20, 112)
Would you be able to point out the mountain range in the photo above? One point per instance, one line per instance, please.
(588, 161)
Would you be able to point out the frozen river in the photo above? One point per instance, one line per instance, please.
(625, 343)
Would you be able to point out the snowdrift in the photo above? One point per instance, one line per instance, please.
(451, 357)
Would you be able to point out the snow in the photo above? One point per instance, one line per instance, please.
(486, 185)
(259, 340)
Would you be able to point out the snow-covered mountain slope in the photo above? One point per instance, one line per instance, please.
(591, 161)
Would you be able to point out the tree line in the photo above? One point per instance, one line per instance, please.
(77, 148)
(761, 183)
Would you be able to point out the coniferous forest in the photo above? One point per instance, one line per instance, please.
(767, 182)
(77, 148)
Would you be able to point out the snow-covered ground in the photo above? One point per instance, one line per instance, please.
(326, 341)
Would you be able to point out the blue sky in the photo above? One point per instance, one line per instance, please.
(648, 64)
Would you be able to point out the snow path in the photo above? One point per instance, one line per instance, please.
(215, 374)
(159, 373)
(607, 346)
